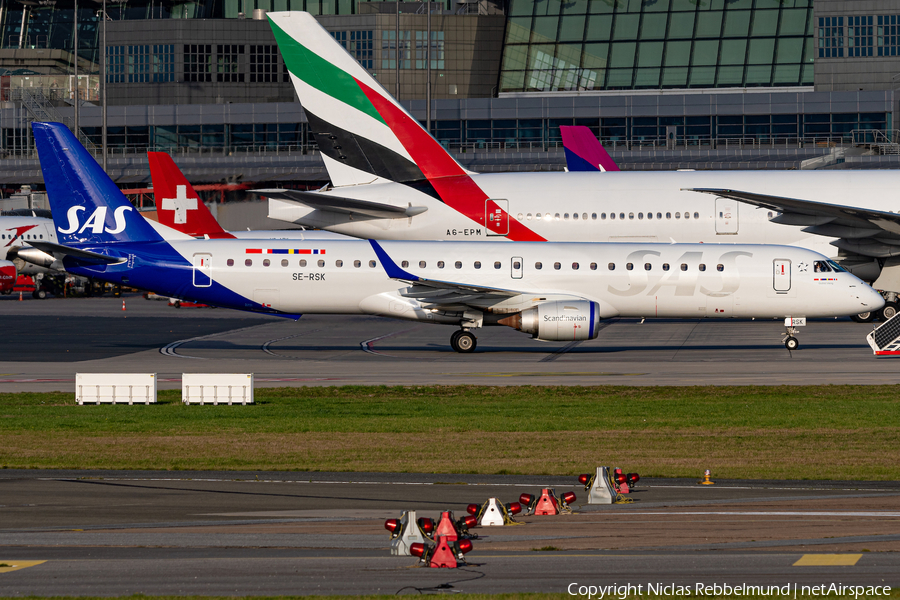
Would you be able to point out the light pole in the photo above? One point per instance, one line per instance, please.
(103, 85)
(75, 29)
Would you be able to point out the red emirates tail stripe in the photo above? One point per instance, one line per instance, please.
(453, 185)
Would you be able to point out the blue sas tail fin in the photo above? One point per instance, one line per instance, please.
(88, 208)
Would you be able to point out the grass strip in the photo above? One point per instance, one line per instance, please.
(797, 432)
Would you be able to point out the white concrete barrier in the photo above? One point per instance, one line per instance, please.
(115, 388)
(217, 388)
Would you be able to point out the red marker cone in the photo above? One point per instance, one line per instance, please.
(123, 305)
(20, 296)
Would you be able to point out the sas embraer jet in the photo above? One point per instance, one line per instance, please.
(392, 180)
(554, 291)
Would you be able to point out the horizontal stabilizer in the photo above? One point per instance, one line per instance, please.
(343, 205)
(58, 251)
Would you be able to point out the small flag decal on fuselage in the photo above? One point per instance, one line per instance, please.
(285, 251)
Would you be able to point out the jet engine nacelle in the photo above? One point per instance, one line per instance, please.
(34, 256)
(560, 321)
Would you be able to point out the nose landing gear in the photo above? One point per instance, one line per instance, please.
(791, 325)
(463, 341)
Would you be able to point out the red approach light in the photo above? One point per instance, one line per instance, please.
(632, 479)
(417, 549)
(568, 497)
(473, 509)
(620, 479)
(465, 546)
(392, 525)
(427, 525)
(526, 499)
(469, 521)
(514, 508)
(584, 478)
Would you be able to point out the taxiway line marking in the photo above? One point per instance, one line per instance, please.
(828, 560)
(15, 565)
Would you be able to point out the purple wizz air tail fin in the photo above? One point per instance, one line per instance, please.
(583, 150)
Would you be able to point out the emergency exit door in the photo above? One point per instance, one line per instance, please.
(202, 270)
(782, 280)
(496, 217)
(516, 266)
(726, 216)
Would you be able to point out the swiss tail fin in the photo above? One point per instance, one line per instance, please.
(177, 204)
(584, 151)
(364, 135)
(88, 208)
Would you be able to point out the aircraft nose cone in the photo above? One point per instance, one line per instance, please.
(869, 298)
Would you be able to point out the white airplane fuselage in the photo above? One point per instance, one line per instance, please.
(647, 206)
(629, 280)
(17, 233)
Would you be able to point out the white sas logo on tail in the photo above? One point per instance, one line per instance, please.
(96, 221)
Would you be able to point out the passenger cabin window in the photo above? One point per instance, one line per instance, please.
(266, 262)
(649, 215)
(621, 215)
(575, 216)
(458, 264)
(720, 267)
(640, 216)
(357, 264)
(538, 217)
(566, 216)
(284, 262)
(647, 266)
(678, 215)
(629, 266)
(519, 216)
(683, 267)
(477, 264)
(422, 264)
(517, 265)
(230, 262)
(321, 263)
(339, 263)
(668, 215)
(248, 262)
(602, 216)
(659, 215)
(575, 266)
(557, 266)
(556, 216)
(497, 264)
(538, 266)
(665, 266)
(593, 266)
(612, 216)
(687, 215)
(440, 264)
(696, 215)
(373, 264)
(528, 216)
(631, 216)
(611, 266)
(584, 216)
(404, 263)
(594, 216)
(702, 267)
(302, 262)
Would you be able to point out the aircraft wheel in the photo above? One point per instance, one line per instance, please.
(463, 342)
(177, 304)
(889, 310)
(791, 343)
(39, 294)
(866, 317)
(453, 339)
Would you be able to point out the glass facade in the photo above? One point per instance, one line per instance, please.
(647, 44)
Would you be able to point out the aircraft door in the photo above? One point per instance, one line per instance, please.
(517, 267)
(782, 279)
(726, 216)
(202, 270)
(496, 217)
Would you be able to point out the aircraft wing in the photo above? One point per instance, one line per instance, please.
(435, 293)
(58, 251)
(338, 204)
(852, 224)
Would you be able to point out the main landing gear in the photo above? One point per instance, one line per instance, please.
(463, 341)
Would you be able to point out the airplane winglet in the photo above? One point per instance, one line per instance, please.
(390, 267)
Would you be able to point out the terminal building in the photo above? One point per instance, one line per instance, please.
(662, 83)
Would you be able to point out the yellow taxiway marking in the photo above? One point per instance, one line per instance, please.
(828, 560)
(14, 565)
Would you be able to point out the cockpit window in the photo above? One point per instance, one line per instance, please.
(821, 266)
(836, 267)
